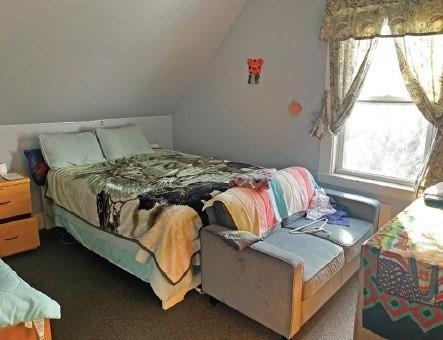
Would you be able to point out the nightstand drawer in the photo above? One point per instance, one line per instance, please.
(15, 200)
(18, 236)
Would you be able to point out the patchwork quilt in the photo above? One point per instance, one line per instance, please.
(403, 276)
(273, 196)
(155, 200)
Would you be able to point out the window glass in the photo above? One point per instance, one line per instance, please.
(384, 78)
(385, 139)
(386, 135)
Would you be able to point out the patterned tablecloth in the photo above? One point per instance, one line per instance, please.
(403, 276)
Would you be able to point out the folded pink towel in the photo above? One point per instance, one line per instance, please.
(251, 210)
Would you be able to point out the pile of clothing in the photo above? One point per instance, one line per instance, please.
(264, 199)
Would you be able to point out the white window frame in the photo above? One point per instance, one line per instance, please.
(338, 162)
(381, 187)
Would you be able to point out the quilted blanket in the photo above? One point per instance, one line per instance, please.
(260, 208)
(139, 198)
(403, 275)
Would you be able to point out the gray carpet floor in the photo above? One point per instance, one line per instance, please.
(101, 301)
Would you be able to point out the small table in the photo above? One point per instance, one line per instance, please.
(18, 228)
(402, 278)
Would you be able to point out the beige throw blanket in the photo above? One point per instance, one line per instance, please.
(174, 239)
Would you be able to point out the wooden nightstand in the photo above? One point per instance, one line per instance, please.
(18, 228)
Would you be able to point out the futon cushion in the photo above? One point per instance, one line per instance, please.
(321, 259)
(350, 238)
(66, 149)
(218, 214)
(124, 141)
(20, 302)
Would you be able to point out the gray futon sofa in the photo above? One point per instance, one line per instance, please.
(283, 279)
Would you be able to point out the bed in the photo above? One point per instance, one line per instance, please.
(143, 213)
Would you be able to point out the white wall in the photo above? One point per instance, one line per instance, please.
(64, 60)
(221, 115)
(16, 138)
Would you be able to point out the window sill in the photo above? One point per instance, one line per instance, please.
(369, 186)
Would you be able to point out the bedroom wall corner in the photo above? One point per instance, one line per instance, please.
(222, 115)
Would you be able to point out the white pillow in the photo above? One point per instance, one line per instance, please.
(124, 141)
(65, 149)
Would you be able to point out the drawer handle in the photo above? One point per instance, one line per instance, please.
(4, 203)
(11, 238)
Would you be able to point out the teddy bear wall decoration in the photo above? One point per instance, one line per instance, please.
(255, 66)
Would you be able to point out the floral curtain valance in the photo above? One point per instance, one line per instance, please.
(364, 19)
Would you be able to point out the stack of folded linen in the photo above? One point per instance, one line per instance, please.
(433, 196)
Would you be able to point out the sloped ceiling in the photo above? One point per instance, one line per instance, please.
(70, 60)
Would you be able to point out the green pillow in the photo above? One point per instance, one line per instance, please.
(20, 302)
(124, 141)
(66, 149)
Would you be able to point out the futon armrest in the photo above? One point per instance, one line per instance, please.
(358, 206)
(261, 281)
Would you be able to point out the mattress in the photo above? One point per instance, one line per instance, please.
(122, 252)
(154, 200)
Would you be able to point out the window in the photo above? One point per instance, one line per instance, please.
(386, 137)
